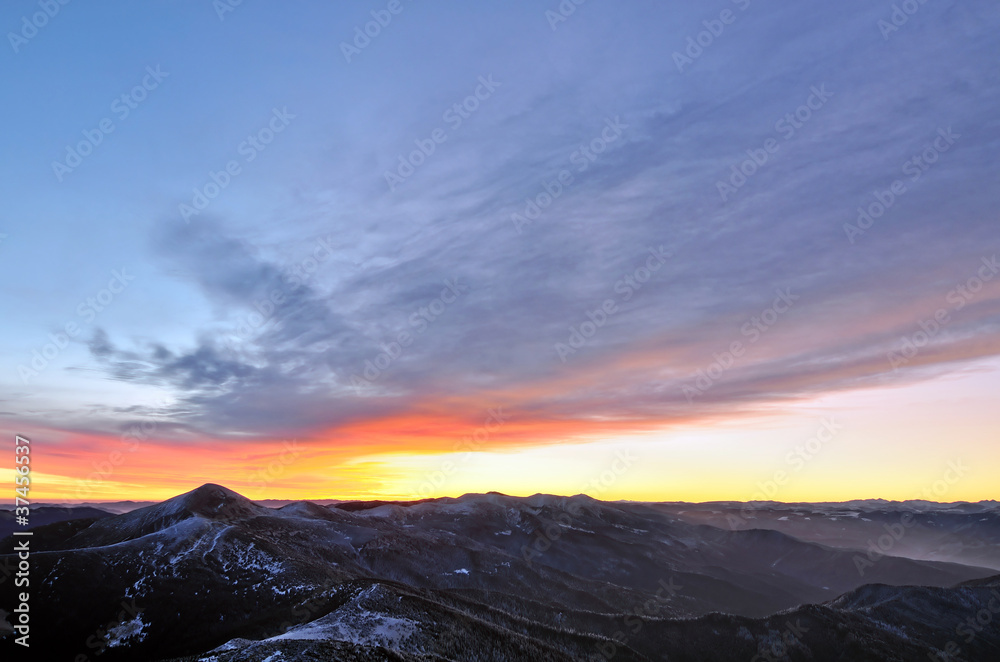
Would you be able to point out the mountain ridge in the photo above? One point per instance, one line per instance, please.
(539, 564)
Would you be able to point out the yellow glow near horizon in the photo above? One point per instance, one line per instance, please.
(934, 440)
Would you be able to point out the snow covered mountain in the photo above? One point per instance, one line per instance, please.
(540, 578)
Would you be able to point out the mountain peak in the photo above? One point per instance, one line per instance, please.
(208, 502)
(214, 502)
(214, 490)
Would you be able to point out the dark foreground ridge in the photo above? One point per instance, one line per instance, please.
(211, 575)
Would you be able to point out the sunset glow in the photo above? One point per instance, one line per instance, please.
(306, 272)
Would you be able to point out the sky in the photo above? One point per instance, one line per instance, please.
(741, 250)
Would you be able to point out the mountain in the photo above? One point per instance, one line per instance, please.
(45, 515)
(536, 578)
(116, 507)
(967, 533)
(875, 623)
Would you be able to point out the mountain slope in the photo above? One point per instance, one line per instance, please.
(210, 566)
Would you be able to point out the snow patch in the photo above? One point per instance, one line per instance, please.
(361, 627)
(121, 634)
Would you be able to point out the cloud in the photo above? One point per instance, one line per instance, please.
(656, 188)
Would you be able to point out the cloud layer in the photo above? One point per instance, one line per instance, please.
(589, 245)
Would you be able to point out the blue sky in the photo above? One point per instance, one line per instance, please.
(667, 135)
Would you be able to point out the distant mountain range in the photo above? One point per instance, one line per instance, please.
(916, 505)
(120, 507)
(210, 575)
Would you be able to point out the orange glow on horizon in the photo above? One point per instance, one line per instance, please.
(890, 447)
